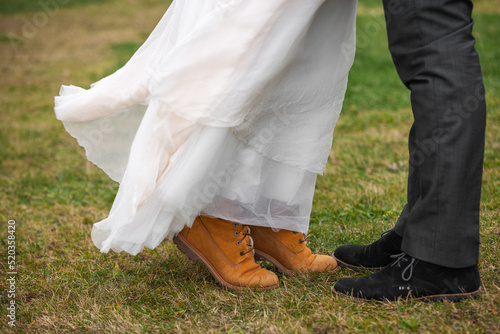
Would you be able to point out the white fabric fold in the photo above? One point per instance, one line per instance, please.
(227, 109)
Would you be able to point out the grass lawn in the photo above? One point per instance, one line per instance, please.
(64, 284)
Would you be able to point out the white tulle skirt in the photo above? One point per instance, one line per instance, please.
(227, 109)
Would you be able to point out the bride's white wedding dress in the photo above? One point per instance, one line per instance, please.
(227, 110)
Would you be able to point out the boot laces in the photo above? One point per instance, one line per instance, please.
(250, 247)
(303, 239)
(402, 257)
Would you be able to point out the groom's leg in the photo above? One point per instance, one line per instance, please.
(433, 50)
(413, 188)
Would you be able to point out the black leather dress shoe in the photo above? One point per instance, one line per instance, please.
(374, 256)
(408, 277)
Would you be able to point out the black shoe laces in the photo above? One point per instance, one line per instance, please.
(402, 257)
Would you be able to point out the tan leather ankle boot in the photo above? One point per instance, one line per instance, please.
(226, 249)
(288, 251)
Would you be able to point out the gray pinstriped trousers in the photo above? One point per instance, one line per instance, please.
(433, 50)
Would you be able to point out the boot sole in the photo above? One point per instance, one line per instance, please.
(431, 298)
(356, 268)
(281, 268)
(259, 255)
(196, 256)
(451, 297)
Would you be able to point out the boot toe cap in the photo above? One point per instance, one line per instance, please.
(263, 278)
(323, 263)
(344, 253)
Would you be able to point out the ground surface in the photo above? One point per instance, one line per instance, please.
(65, 285)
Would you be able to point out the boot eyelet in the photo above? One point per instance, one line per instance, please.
(235, 224)
(236, 233)
(294, 232)
(238, 243)
(242, 253)
(301, 241)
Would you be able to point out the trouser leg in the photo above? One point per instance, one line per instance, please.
(413, 190)
(433, 50)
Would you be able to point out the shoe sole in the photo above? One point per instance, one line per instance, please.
(451, 297)
(353, 267)
(431, 298)
(196, 256)
(259, 255)
(281, 268)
